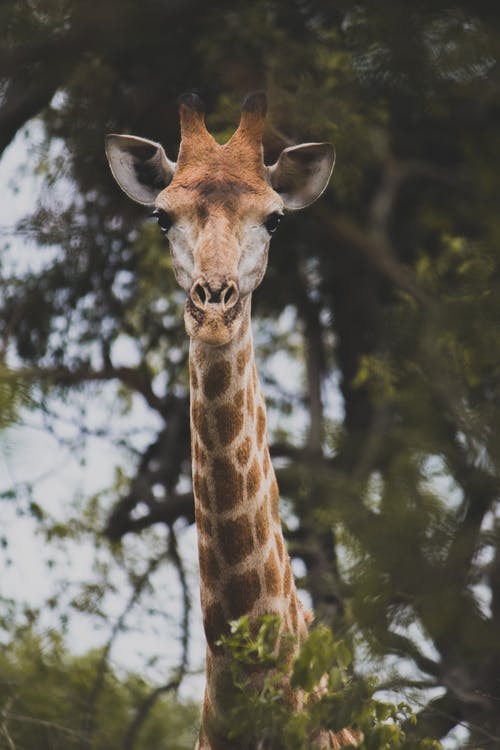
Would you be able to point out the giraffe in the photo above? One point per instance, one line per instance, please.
(219, 206)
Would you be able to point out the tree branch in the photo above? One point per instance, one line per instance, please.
(437, 719)
(36, 70)
(402, 646)
(167, 512)
(137, 378)
(378, 253)
(143, 711)
(89, 721)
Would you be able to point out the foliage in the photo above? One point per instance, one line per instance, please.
(345, 700)
(43, 698)
(385, 293)
(14, 394)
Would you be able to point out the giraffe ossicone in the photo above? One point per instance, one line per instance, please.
(218, 205)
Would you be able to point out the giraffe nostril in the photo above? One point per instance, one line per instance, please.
(199, 295)
(202, 295)
(230, 295)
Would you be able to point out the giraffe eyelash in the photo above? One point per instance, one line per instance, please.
(163, 218)
(272, 222)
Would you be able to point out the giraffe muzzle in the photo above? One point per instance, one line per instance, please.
(205, 296)
(213, 312)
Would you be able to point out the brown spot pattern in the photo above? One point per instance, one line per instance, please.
(229, 421)
(214, 191)
(241, 361)
(195, 451)
(216, 380)
(243, 452)
(272, 575)
(255, 379)
(209, 567)
(305, 619)
(294, 614)
(228, 484)
(287, 580)
(199, 356)
(250, 401)
(262, 524)
(242, 591)
(242, 358)
(201, 424)
(201, 489)
(214, 623)
(235, 541)
(239, 397)
(194, 377)
(261, 425)
(253, 479)
(203, 523)
(203, 212)
(196, 414)
(266, 463)
(275, 501)
(279, 545)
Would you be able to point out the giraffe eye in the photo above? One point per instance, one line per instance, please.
(272, 222)
(164, 220)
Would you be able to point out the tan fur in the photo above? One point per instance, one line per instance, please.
(219, 198)
(244, 567)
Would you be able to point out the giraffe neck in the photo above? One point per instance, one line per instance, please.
(244, 565)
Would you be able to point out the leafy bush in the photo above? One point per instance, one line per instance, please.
(46, 702)
(261, 714)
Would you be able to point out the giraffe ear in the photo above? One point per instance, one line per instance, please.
(140, 167)
(302, 173)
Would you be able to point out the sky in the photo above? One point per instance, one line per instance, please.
(31, 456)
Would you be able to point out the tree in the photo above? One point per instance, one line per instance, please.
(391, 284)
(42, 693)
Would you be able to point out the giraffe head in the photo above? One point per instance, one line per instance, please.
(219, 206)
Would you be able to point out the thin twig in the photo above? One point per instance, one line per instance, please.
(4, 715)
(103, 666)
(173, 685)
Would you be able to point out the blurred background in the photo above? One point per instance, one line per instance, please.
(378, 342)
